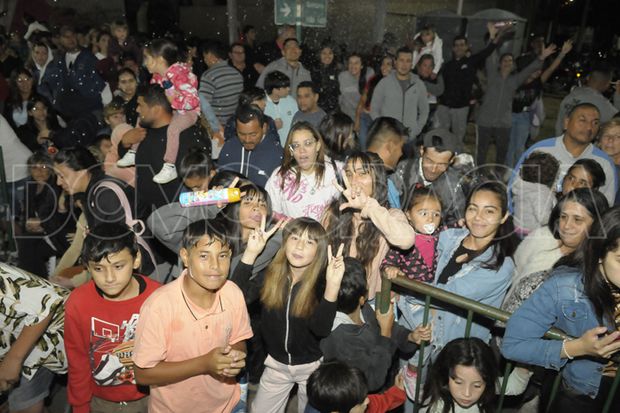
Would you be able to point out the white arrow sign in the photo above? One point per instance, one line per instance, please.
(286, 10)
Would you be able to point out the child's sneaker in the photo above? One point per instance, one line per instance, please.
(128, 160)
(410, 378)
(168, 173)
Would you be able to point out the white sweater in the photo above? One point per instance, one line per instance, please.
(308, 199)
(15, 153)
(434, 48)
(539, 251)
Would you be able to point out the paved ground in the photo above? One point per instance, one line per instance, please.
(547, 130)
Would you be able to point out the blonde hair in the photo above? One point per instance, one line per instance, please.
(112, 108)
(278, 276)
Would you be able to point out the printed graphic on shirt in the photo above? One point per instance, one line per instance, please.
(304, 193)
(111, 348)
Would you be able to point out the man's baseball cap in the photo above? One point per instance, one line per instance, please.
(442, 139)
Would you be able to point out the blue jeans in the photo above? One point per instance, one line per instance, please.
(241, 407)
(518, 136)
(365, 122)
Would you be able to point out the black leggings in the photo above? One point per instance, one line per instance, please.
(567, 400)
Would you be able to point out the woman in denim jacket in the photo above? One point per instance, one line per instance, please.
(582, 298)
(474, 262)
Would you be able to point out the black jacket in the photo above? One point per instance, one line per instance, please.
(44, 205)
(326, 78)
(364, 347)
(459, 77)
(150, 159)
(292, 340)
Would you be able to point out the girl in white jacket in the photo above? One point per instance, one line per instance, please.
(432, 44)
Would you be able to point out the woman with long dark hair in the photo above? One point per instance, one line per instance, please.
(474, 262)
(570, 222)
(581, 298)
(325, 75)
(352, 83)
(103, 199)
(21, 90)
(362, 113)
(42, 125)
(303, 184)
(48, 218)
(339, 136)
(362, 219)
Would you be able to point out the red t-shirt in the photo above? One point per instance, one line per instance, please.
(99, 340)
(391, 399)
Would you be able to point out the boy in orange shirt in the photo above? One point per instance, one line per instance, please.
(190, 340)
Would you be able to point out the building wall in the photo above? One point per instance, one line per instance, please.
(92, 10)
(349, 21)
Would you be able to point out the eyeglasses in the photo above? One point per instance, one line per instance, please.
(23, 79)
(306, 145)
(610, 137)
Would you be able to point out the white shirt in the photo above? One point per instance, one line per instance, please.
(285, 109)
(308, 198)
(15, 153)
(70, 58)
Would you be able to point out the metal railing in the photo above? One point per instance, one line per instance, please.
(6, 239)
(473, 307)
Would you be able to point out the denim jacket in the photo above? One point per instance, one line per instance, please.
(484, 285)
(559, 302)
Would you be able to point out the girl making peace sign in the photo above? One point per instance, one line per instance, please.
(299, 300)
(362, 220)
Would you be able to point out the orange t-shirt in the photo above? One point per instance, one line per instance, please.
(172, 328)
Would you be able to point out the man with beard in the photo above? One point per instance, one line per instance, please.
(580, 128)
(155, 114)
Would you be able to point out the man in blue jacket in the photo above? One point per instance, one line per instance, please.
(255, 151)
(80, 84)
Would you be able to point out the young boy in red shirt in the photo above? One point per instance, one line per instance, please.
(100, 323)
(190, 341)
(338, 388)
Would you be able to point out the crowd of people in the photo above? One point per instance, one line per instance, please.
(326, 173)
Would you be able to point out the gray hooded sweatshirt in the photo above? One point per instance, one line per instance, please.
(295, 74)
(168, 224)
(496, 108)
(409, 106)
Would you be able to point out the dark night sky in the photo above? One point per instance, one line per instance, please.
(603, 16)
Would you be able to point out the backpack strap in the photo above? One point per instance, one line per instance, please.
(129, 220)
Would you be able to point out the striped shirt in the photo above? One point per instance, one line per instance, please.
(221, 86)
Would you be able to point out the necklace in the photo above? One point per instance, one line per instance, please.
(188, 307)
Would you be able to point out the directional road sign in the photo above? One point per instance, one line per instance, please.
(313, 12)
